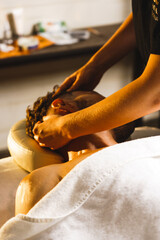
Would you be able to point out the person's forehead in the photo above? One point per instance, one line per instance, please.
(84, 94)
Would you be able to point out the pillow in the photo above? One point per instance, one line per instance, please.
(142, 132)
(26, 152)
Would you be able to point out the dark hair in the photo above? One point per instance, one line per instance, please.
(123, 132)
(38, 111)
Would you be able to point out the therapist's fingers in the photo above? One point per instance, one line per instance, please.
(38, 139)
(42, 144)
(35, 129)
(45, 118)
(57, 93)
(76, 85)
(65, 86)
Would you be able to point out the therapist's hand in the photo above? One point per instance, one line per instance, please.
(84, 79)
(51, 132)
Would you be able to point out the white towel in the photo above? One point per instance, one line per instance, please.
(113, 194)
(10, 176)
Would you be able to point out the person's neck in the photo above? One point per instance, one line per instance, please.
(85, 145)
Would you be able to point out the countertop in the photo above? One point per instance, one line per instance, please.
(90, 45)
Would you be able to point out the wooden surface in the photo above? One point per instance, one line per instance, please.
(43, 43)
(91, 45)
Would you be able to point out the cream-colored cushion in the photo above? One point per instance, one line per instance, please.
(142, 132)
(26, 151)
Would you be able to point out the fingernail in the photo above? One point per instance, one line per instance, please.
(42, 144)
(36, 137)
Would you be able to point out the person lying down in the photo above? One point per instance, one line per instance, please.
(38, 183)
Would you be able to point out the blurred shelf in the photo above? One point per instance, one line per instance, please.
(91, 45)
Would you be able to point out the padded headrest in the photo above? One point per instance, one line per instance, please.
(142, 132)
(26, 151)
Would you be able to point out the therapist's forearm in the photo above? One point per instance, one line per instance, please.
(135, 100)
(118, 46)
(122, 107)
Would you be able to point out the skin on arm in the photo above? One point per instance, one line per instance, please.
(135, 100)
(118, 46)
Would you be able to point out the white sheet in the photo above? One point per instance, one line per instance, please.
(113, 194)
(10, 177)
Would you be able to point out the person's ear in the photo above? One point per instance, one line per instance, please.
(57, 102)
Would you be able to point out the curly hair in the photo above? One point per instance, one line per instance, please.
(38, 111)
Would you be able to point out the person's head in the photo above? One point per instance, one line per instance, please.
(67, 103)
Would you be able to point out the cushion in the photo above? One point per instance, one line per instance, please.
(26, 151)
(142, 132)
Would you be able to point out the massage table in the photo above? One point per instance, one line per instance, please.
(113, 194)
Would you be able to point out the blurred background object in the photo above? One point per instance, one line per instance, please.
(57, 32)
(16, 22)
(76, 13)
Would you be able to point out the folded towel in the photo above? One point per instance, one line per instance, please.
(113, 194)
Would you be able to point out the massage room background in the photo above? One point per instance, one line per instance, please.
(21, 84)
